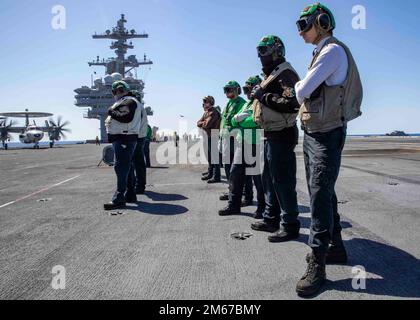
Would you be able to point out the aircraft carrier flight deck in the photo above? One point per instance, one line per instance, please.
(173, 244)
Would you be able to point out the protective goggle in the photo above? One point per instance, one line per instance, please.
(265, 51)
(305, 24)
(247, 89)
(229, 89)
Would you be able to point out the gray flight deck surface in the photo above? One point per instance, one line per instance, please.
(173, 244)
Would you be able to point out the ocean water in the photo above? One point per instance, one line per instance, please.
(47, 143)
(381, 135)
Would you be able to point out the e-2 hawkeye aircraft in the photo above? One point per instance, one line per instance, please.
(31, 132)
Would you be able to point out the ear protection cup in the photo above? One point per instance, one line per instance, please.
(324, 21)
(281, 50)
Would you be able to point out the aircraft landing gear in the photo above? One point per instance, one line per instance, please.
(51, 144)
(36, 146)
(6, 146)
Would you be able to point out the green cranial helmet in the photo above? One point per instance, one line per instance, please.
(270, 45)
(120, 85)
(317, 14)
(253, 81)
(232, 86)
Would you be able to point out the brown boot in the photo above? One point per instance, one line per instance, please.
(314, 277)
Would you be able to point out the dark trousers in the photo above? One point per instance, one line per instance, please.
(124, 169)
(236, 185)
(147, 152)
(322, 155)
(140, 164)
(279, 179)
(214, 168)
(241, 184)
(248, 188)
(230, 156)
(260, 190)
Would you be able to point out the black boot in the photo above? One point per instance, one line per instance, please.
(264, 226)
(284, 236)
(205, 178)
(131, 199)
(140, 190)
(246, 203)
(314, 277)
(224, 197)
(229, 211)
(288, 233)
(114, 206)
(259, 213)
(214, 180)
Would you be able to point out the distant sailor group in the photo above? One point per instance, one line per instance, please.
(328, 97)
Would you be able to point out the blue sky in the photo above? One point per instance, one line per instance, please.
(197, 46)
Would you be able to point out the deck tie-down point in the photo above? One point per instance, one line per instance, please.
(241, 235)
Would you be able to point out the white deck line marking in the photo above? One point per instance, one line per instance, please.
(39, 191)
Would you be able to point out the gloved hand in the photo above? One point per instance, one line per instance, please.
(241, 117)
(257, 93)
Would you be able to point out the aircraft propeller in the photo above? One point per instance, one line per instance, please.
(58, 129)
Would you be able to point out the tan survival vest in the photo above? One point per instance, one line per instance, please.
(266, 118)
(336, 105)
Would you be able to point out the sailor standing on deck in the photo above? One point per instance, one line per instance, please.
(235, 104)
(138, 157)
(275, 110)
(123, 126)
(249, 140)
(210, 124)
(330, 95)
(147, 146)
